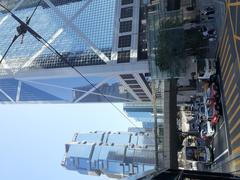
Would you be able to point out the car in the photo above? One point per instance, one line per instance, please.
(209, 69)
(198, 154)
(213, 115)
(214, 95)
(206, 130)
(211, 104)
(214, 90)
(215, 120)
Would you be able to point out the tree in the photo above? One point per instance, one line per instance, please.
(194, 43)
(170, 51)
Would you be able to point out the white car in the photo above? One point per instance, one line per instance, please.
(207, 130)
(209, 70)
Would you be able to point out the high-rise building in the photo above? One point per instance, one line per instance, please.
(116, 155)
(105, 40)
(27, 93)
(143, 111)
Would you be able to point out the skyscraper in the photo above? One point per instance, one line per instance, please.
(143, 111)
(116, 155)
(105, 40)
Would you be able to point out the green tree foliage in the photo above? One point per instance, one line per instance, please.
(170, 50)
(195, 44)
(175, 44)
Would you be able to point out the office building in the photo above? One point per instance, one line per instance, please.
(104, 40)
(143, 111)
(116, 155)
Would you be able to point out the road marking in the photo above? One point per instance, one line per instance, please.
(236, 162)
(224, 84)
(223, 153)
(234, 40)
(236, 19)
(233, 4)
(232, 117)
(225, 45)
(236, 150)
(223, 41)
(231, 93)
(229, 62)
(234, 101)
(225, 58)
(235, 138)
(236, 37)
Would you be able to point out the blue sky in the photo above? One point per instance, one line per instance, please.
(32, 137)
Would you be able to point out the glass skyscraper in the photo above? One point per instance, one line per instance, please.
(105, 40)
(116, 155)
(143, 111)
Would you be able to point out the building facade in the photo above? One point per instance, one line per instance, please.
(116, 155)
(143, 111)
(104, 40)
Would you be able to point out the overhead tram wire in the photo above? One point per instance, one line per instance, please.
(51, 48)
(20, 31)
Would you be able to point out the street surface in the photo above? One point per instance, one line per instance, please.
(228, 54)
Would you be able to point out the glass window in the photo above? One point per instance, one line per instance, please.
(90, 137)
(138, 90)
(131, 82)
(124, 41)
(123, 57)
(134, 86)
(125, 26)
(83, 163)
(122, 138)
(127, 76)
(127, 12)
(115, 167)
(124, 2)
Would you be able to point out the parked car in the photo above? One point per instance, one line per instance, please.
(198, 153)
(209, 71)
(215, 98)
(212, 103)
(206, 130)
(215, 120)
(213, 115)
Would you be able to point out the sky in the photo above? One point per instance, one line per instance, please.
(32, 137)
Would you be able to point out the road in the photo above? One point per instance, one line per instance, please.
(228, 54)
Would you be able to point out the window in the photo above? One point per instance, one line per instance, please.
(138, 90)
(131, 82)
(141, 94)
(124, 2)
(125, 26)
(124, 41)
(126, 12)
(134, 86)
(123, 57)
(127, 76)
